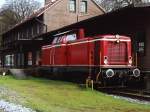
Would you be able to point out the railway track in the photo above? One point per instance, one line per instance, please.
(140, 94)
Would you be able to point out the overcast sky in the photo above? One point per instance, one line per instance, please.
(3, 1)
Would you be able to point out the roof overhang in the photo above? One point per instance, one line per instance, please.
(124, 18)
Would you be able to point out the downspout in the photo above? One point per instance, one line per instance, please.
(77, 8)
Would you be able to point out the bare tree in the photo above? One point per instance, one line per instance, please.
(16, 10)
(110, 5)
(22, 8)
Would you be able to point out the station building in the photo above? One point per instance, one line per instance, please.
(21, 46)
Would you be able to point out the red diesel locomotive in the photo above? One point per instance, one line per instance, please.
(102, 58)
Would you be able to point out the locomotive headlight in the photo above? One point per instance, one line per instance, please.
(109, 73)
(105, 60)
(117, 37)
(136, 72)
(130, 60)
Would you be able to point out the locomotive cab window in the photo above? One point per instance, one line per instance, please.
(71, 37)
(72, 5)
(55, 40)
(58, 40)
(83, 6)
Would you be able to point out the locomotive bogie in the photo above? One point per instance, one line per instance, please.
(120, 73)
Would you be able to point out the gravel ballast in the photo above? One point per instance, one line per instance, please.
(13, 101)
(11, 107)
(131, 100)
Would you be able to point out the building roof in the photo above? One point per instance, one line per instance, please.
(96, 2)
(35, 14)
(130, 15)
(40, 11)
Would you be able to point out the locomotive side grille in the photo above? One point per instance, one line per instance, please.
(117, 52)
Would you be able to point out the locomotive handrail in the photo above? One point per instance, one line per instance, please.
(97, 77)
(62, 33)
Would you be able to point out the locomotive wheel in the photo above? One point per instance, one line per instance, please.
(38, 72)
(57, 74)
(54, 74)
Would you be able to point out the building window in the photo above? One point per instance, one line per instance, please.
(72, 5)
(83, 7)
(141, 43)
(141, 47)
(30, 58)
(18, 35)
(9, 60)
(38, 29)
(20, 59)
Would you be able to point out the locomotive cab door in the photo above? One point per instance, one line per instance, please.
(96, 59)
(96, 53)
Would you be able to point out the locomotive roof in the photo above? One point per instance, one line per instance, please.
(113, 36)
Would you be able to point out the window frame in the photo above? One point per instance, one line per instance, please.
(141, 47)
(85, 4)
(9, 60)
(141, 43)
(72, 4)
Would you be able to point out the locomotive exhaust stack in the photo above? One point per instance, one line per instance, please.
(81, 33)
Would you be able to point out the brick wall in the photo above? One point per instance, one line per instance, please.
(59, 15)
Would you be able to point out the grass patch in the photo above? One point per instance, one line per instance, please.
(56, 96)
